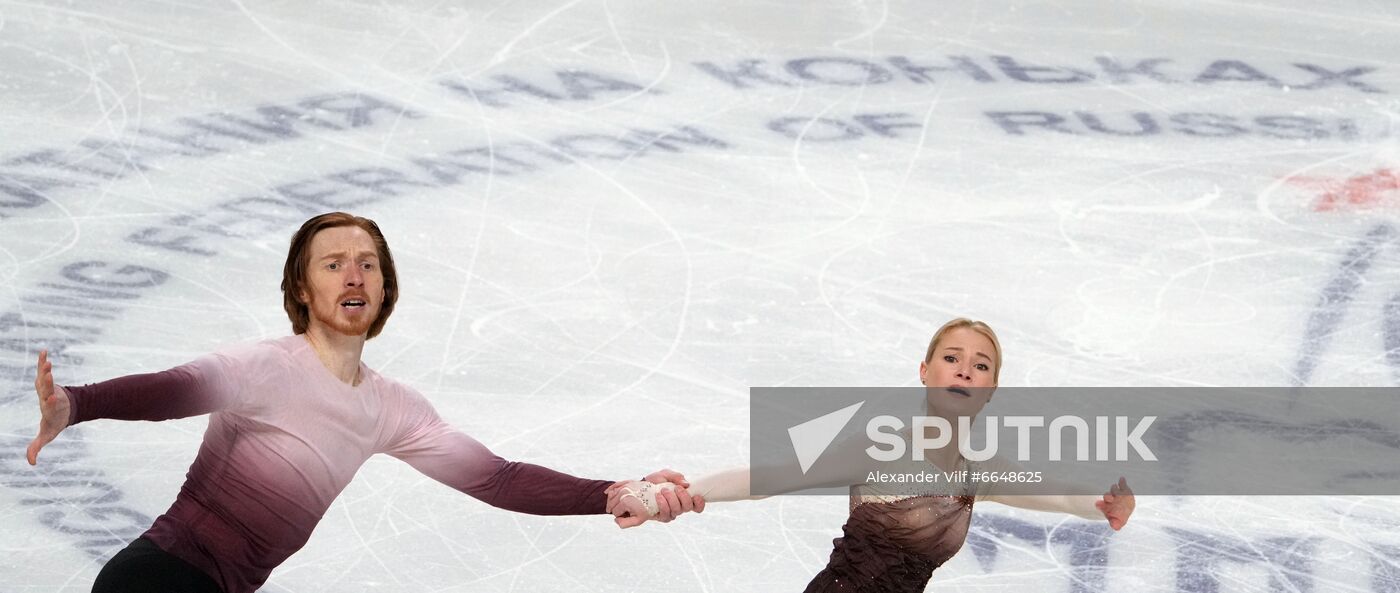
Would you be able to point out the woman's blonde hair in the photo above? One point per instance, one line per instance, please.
(976, 326)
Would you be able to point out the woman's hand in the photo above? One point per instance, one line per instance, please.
(627, 501)
(1117, 504)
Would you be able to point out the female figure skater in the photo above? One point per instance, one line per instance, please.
(897, 534)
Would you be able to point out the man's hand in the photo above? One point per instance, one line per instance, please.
(53, 408)
(676, 501)
(1117, 504)
(671, 501)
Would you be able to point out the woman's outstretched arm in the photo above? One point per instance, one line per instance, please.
(1115, 505)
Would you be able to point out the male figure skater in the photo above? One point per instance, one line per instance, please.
(291, 420)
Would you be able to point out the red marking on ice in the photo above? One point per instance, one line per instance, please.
(1372, 190)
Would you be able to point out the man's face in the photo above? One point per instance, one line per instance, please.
(344, 287)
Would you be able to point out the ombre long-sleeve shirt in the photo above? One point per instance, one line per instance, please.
(285, 437)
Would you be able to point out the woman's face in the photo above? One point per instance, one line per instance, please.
(961, 376)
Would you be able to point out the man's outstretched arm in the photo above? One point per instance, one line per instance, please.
(183, 391)
(457, 460)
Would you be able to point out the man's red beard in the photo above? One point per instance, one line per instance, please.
(357, 325)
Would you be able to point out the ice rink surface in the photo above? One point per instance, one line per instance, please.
(611, 219)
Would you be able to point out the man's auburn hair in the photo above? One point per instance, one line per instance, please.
(298, 258)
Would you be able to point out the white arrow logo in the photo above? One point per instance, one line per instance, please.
(811, 438)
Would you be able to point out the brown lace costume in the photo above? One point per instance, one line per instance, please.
(895, 537)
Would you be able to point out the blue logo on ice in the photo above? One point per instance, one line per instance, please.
(811, 438)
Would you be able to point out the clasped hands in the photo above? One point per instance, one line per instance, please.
(661, 496)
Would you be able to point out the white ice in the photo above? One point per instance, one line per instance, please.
(813, 227)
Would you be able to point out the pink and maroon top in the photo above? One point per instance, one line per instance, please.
(285, 437)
